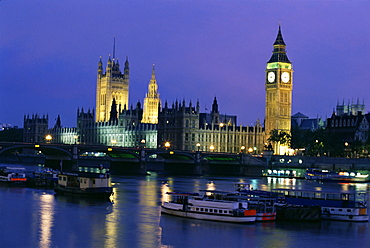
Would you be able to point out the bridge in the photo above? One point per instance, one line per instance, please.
(123, 160)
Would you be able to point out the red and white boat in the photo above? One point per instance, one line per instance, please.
(13, 175)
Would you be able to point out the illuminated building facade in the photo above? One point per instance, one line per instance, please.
(151, 102)
(113, 84)
(278, 86)
(185, 128)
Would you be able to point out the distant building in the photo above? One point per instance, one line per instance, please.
(4, 126)
(350, 123)
(35, 128)
(350, 108)
(185, 128)
(303, 122)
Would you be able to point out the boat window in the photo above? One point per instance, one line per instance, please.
(197, 209)
(206, 209)
(201, 209)
(94, 181)
(211, 210)
(64, 178)
(340, 210)
(349, 210)
(319, 196)
(332, 209)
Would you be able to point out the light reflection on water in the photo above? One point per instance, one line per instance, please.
(46, 216)
(133, 218)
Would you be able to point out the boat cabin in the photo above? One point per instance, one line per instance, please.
(84, 180)
(323, 198)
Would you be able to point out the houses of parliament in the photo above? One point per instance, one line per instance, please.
(179, 125)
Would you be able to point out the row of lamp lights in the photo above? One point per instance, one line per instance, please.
(167, 144)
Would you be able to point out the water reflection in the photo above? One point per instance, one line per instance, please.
(111, 224)
(46, 215)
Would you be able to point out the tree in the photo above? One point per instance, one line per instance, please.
(280, 137)
(11, 135)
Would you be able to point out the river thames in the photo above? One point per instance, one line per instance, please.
(33, 217)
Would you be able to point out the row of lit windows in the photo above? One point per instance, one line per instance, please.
(211, 210)
(343, 123)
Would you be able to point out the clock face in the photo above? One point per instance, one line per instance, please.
(271, 76)
(285, 77)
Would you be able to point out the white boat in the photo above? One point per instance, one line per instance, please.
(13, 175)
(335, 205)
(191, 205)
(264, 205)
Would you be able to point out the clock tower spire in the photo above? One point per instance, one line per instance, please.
(278, 87)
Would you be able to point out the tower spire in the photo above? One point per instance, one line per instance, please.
(153, 73)
(114, 47)
(279, 53)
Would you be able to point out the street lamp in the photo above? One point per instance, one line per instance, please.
(143, 141)
(198, 146)
(48, 138)
(167, 145)
(75, 137)
(114, 142)
(211, 148)
(250, 149)
(242, 149)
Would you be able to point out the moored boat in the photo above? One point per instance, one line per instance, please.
(45, 177)
(264, 205)
(94, 185)
(191, 205)
(13, 175)
(283, 210)
(335, 205)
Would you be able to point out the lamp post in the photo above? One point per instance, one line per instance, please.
(242, 149)
(167, 145)
(211, 148)
(198, 146)
(75, 137)
(48, 138)
(114, 142)
(143, 142)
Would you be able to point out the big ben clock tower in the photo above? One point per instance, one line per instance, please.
(279, 86)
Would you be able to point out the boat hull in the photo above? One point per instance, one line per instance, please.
(345, 214)
(266, 216)
(205, 216)
(101, 193)
(298, 213)
(351, 218)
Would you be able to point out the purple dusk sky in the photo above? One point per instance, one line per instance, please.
(49, 52)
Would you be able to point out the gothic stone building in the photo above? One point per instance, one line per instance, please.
(185, 128)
